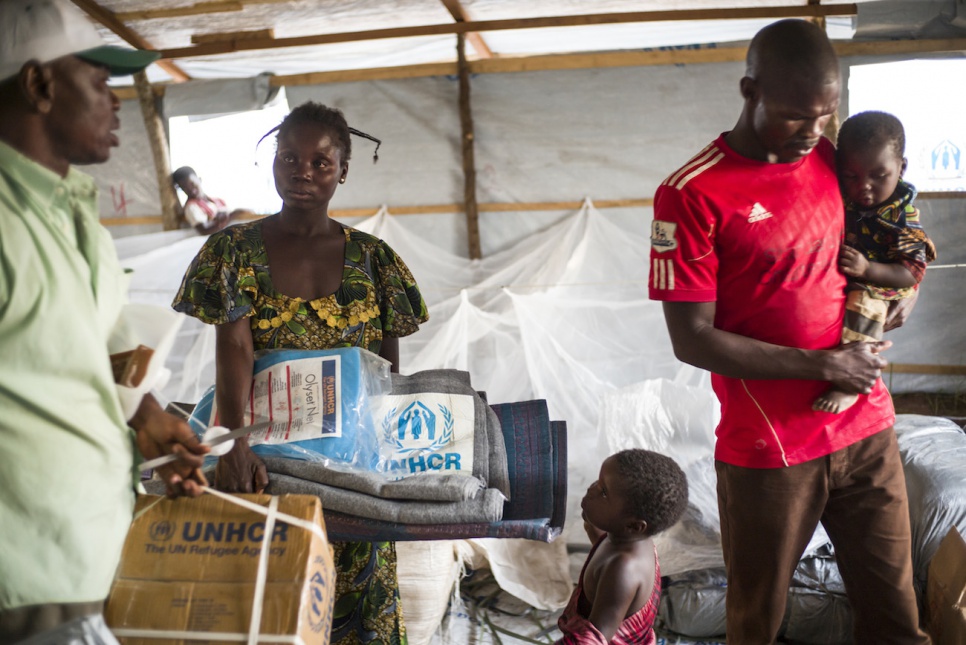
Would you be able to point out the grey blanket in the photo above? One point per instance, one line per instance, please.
(435, 488)
(486, 507)
(489, 453)
(489, 449)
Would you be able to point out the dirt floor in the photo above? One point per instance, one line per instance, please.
(952, 406)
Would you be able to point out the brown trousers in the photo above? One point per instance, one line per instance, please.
(768, 516)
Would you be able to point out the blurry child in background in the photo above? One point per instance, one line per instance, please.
(204, 213)
(638, 495)
(886, 251)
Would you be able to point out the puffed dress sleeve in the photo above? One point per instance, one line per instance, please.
(401, 305)
(220, 284)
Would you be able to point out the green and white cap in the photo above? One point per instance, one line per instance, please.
(44, 30)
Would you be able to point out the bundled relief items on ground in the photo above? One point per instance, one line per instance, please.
(946, 606)
(933, 451)
(252, 568)
(694, 585)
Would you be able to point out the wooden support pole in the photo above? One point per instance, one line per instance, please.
(476, 40)
(818, 19)
(170, 206)
(832, 128)
(469, 162)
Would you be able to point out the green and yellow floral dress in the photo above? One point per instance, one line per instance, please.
(230, 279)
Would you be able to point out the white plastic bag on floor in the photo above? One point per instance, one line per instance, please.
(537, 573)
(427, 573)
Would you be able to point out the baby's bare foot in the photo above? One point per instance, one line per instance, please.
(834, 401)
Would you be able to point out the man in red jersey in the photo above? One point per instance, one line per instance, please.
(744, 255)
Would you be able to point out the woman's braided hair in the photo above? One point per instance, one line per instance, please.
(327, 117)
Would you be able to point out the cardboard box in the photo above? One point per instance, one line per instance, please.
(946, 591)
(189, 568)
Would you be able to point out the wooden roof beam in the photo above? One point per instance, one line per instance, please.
(591, 60)
(473, 38)
(196, 9)
(231, 36)
(109, 20)
(602, 60)
(501, 207)
(800, 11)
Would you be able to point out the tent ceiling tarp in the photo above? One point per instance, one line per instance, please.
(242, 38)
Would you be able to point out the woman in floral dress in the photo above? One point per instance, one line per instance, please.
(300, 280)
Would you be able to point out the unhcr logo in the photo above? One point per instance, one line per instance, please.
(320, 591)
(416, 418)
(946, 161)
(230, 532)
(161, 531)
(418, 439)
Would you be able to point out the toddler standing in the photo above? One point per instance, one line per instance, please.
(639, 494)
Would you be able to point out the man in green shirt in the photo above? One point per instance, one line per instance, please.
(67, 448)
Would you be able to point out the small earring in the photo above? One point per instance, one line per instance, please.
(342, 181)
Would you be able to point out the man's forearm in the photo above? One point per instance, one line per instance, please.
(698, 342)
(737, 356)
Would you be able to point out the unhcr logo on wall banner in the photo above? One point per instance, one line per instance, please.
(428, 433)
(939, 165)
(946, 161)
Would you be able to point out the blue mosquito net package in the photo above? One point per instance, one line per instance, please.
(317, 403)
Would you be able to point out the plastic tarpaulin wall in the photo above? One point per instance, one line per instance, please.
(128, 183)
(218, 97)
(911, 19)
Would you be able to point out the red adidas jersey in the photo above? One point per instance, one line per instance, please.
(761, 241)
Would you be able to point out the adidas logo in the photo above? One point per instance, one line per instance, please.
(758, 213)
